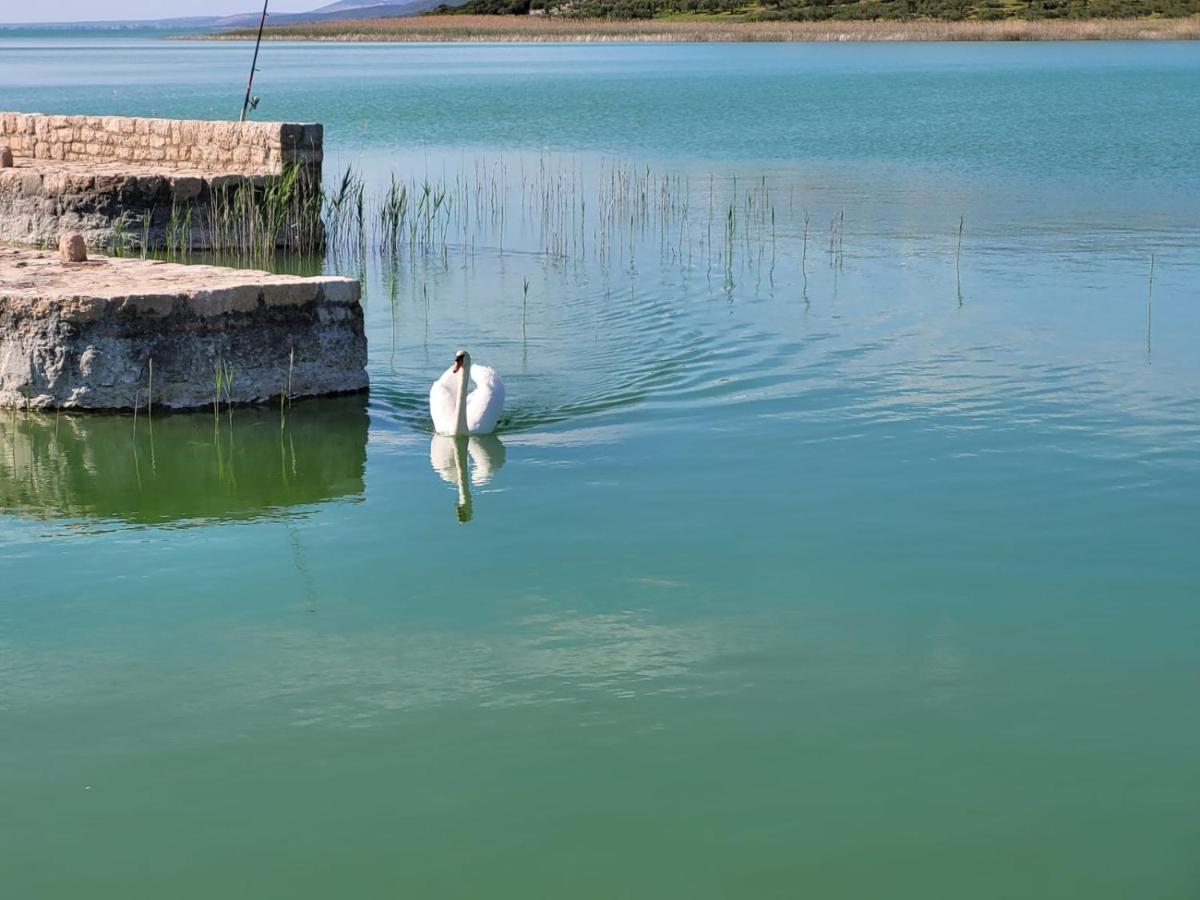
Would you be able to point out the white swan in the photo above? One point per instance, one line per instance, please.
(456, 412)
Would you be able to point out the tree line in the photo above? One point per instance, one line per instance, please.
(824, 10)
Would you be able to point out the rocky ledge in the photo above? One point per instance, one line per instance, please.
(119, 334)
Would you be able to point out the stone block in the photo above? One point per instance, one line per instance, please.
(155, 305)
(290, 135)
(80, 310)
(186, 188)
(71, 247)
(339, 291)
(295, 293)
(223, 301)
(314, 135)
(29, 183)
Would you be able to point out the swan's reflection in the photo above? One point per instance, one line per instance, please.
(449, 456)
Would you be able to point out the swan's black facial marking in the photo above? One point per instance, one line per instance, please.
(458, 359)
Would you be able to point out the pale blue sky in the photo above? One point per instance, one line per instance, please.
(91, 11)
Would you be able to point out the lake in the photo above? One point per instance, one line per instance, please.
(840, 539)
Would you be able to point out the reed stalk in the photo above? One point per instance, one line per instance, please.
(1150, 304)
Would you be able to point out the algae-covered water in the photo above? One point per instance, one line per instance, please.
(829, 554)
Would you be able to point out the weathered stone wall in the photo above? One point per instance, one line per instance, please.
(108, 333)
(124, 182)
(217, 147)
(121, 211)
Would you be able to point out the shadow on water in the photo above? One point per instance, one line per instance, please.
(465, 462)
(182, 468)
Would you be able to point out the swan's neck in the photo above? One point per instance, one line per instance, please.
(460, 400)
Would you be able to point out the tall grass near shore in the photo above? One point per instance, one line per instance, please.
(250, 218)
(243, 221)
(568, 213)
(555, 207)
(608, 214)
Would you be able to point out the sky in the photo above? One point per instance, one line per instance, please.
(91, 11)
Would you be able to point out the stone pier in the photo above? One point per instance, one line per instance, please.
(117, 334)
(127, 182)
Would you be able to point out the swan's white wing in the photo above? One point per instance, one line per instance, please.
(486, 402)
(487, 456)
(441, 402)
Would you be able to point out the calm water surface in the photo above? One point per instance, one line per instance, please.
(823, 559)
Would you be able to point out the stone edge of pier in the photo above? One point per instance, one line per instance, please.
(114, 334)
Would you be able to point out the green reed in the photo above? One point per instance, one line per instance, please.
(567, 212)
(177, 237)
(222, 386)
(393, 213)
(120, 237)
(250, 218)
(343, 212)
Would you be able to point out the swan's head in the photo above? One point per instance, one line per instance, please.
(462, 360)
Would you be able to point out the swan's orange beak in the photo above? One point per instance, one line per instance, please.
(457, 365)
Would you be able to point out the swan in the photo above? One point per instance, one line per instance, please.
(456, 412)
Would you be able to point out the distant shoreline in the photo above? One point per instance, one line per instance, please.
(537, 29)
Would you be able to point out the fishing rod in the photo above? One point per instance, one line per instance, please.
(254, 63)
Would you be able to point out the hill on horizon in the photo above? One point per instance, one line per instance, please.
(332, 12)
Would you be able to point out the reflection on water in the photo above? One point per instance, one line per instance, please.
(552, 656)
(182, 467)
(449, 458)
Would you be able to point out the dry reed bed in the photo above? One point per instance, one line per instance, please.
(543, 28)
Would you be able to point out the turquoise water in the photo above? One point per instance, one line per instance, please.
(855, 564)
